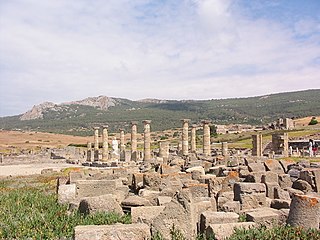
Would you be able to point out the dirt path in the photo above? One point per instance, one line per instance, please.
(34, 168)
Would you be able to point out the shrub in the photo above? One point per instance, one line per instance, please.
(313, 121)
(30, 213)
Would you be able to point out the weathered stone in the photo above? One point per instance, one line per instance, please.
(280, 193)
(230, 206)
(198, 190)
(280, 203)
(162, 200)
(150, 195)
(75, 176)
(135, 201)
(304, 211)
(210, 217)
(145, 214)
(248, 188)
(137, 231)
(224, 197)
(166, 169)
(103, 203)
(152, 180)
(137, 181)
(269, 177)
(225, 230)
(284, 181)
(293, 191)
(286, 164)
(263, 216)
(270, 187)
(91, 188)
(66, 193)
(302, 186)
(254, 177)
(179, 212)
(256, 167)
(274, 166)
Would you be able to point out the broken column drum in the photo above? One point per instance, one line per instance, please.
(147, 140)
(206, 138)
(105, 152)
(185, 143)
(164, 151)
(304, 211)
(193, 139)
(134, 141)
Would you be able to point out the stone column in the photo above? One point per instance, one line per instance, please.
(257, 145)
(164, 151)
(193, 139)
(96, 143)
(122, 145)
(105, 152)
(185, 137)
(89, 152)
(285, 151)
(304, 211)
(147, 140)
(224, 147)
(134, 155)
(206, 138)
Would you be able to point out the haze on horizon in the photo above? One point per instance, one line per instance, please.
(62, 51)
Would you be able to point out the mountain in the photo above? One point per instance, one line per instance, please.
(78, 117)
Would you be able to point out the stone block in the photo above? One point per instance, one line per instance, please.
(269, 177)
(166, 169)
(263, 216)
(75, 176)
(103, 203)
(274, 166)
(254, 177)
(284, 180)
(231, 206)
(137, 231)
(225, 230)
(247, 188)
(66, 193)
(286, 164)
(302, 185)
(280, 203)
(179, 212)
(256, 167)
(270, 187)
(252, 201)
(137, 181)
(152, 180)
(145, 214)
(91, 188)
(210, 217)
(150, 195)
(280, 193)
(162, 200)
(198, 190)
(135, 201)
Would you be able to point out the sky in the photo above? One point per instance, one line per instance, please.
(65, 50)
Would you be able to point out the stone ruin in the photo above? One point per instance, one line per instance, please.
(195, 190)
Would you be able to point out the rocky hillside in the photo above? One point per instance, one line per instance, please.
(79, 117)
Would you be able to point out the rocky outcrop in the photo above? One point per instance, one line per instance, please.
(37, 111)
(101, 102)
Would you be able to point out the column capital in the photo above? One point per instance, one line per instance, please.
(206, 121)
(105, 126)
(194, 125)
(121, 129)
(146, 121)
(134, 122)
(96, 128)
(185, 120)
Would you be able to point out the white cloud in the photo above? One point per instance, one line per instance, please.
(66, 50)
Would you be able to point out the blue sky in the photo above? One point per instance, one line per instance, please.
(66, 50)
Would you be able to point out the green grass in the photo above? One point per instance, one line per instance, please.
(30, 212)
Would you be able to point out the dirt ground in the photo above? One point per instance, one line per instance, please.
(300, 122)
(31, 140)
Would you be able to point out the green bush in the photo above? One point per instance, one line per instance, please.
(30, 213)
(277, 232)
(313, 121)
